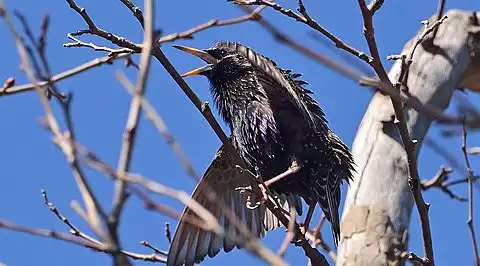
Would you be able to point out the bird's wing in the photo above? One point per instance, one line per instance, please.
(191, 245)
(273, 78)
(342, 165)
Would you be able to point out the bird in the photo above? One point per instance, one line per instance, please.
(280, 132)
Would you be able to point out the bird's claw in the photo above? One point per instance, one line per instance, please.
(250, 204)
(243, 190)
(296, 239)
(254, 206)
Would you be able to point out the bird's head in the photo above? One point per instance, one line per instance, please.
(231, 75)
(223, 64)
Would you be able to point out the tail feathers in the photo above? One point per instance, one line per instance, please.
(329, 199)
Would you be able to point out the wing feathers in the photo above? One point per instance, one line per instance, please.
(191, 245)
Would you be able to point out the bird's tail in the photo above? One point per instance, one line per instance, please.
(328, 198)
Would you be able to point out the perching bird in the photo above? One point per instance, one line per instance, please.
(282, 135)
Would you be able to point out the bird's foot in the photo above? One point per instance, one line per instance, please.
(303, 228)
(252, 202)
(296, 240)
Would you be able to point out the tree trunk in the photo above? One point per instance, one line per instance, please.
(379, 202)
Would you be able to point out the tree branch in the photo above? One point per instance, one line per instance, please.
(470, 196)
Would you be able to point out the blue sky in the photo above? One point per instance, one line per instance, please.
(30, 162)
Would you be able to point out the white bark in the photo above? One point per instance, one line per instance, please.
(379, 202)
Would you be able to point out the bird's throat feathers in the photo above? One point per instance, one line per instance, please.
(233, 93)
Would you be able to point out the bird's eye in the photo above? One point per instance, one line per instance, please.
(218, 54)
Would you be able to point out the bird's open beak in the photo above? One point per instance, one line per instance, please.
(201, 54)
(198, 71)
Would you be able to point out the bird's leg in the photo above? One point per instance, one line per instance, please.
(294, 168)
(306, 224)
(264, 185)
(291, 170)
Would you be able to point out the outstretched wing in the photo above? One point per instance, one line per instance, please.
(191, 244)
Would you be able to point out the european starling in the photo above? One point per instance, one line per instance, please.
(275, 126)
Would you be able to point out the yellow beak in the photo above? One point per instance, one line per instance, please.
(197, 52)
(201, 54)
(198, 71)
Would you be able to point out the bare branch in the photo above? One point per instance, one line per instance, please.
(440, 8)
(289, 235)
(76, 240)
(111, 51)
(408, 60)
(94, 209)
(156, 250)
(51, 234)
(188, 34)
(73, 229)
(63, 75)
(129, 134)
(440, 181)
(470, 196)
(161, 127)
(93, 29)
(137, 12)
(413, 258)
(408, 143)
(303, 17)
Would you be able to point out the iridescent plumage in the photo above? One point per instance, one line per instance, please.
(275, 123)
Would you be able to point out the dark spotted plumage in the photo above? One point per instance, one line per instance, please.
(274, 122)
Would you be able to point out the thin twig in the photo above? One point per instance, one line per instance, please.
(461, 181)
(440, 181)
(96, 163)
(79, 43)
(94, 209)
(188, 34)
(137, 12)
(63, 75)
(168, 233)
(289, 235)
(470, 196)
(413, 258)
(440, 8)
(51, 234)
(73, 229)
(161, 127)
(133, 117)
(319, 241)
(156, 250)
(76, 240)
(93, 29)
(408, 60)
(303, 17)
